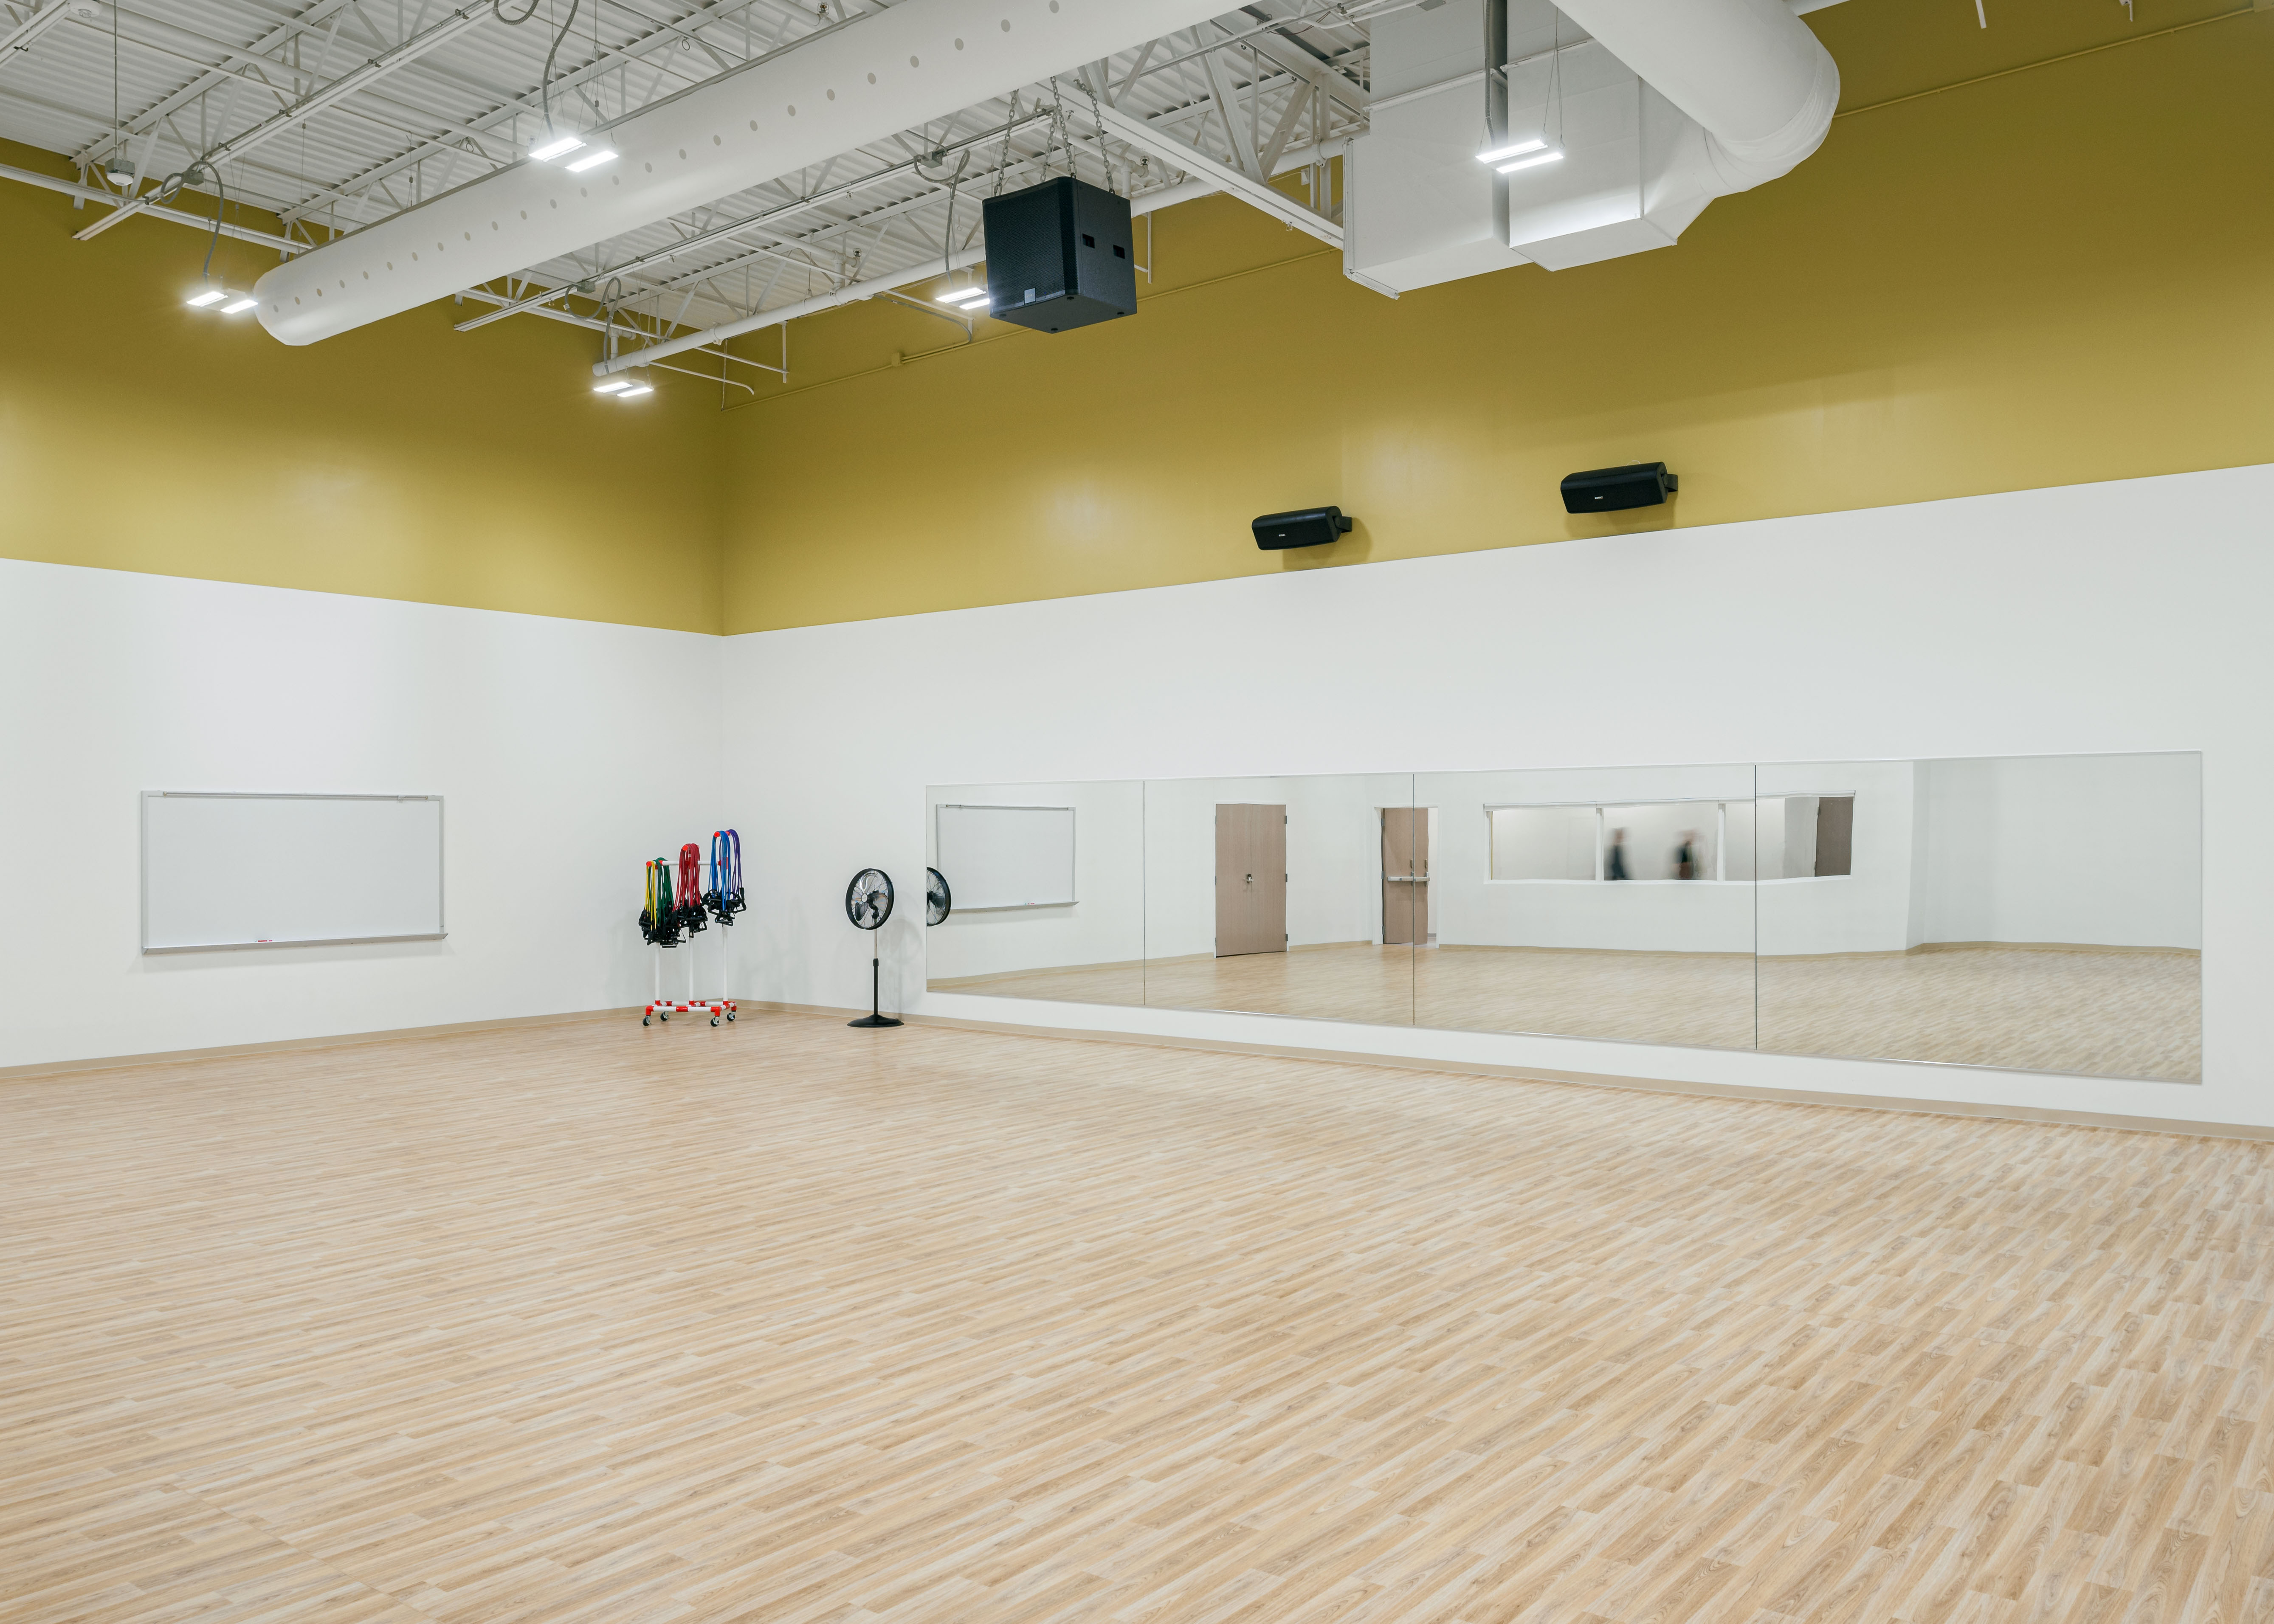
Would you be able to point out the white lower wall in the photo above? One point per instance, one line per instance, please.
(568, 752)
(1972, 627)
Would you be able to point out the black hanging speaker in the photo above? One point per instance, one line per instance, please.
(1606, 490)
(1310, 528)
(1059, 256)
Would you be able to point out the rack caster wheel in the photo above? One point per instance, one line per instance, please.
(714, 1021)
(647, 1020)
(730, 1015)
(665, 1017)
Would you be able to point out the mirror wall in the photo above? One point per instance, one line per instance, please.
(2042, 913)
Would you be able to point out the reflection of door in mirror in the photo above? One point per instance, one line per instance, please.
(1251, 879)
(1405, 874)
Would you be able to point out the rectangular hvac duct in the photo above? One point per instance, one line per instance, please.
(1634, 116)
(838, 89)
(1423, 210)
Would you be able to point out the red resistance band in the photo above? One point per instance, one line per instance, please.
(690, 876)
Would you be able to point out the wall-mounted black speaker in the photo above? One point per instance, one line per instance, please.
(1312, 527)
(1059, 256)
(1606, 490)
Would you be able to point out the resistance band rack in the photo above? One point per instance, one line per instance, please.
(675, 909)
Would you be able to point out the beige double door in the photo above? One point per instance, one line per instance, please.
(1405, 875)
(1251, 879)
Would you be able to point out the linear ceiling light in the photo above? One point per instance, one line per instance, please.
(590, 160)
(637, 389)
(1552, 155)
(239, 305)
(1514, 149)
(555, 148)
(964, 297)
(609, 386)
(211, 296)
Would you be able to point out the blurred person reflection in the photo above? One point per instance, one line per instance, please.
(1614, 860)
(1685, 856)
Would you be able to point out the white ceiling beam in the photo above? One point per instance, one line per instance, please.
(179, 216)
(359, 78)
(1138, 133)
(24, 34)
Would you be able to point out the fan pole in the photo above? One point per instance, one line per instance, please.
(874, 1017)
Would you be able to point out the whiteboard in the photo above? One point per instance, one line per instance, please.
(259, 871)
(1007, 857)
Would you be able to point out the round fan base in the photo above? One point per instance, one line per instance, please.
(874, 1020)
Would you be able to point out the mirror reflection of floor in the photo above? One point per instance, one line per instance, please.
(2100, 1011)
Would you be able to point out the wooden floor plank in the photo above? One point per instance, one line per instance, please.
(784, 1322)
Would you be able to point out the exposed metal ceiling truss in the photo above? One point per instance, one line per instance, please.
(333, 114)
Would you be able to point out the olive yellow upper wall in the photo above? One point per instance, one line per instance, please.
(2058, 276)
(403, 461)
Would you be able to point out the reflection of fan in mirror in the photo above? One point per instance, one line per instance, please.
(938, 902)
(869, 903)
(868, 898)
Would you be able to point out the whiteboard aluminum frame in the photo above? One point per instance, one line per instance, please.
(1073, 852)
(441, 876)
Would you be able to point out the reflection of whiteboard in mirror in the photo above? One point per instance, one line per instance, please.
(255, 870)
(1007, 857)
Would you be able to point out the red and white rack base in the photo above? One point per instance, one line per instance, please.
(664, 1009)
(660, 1008)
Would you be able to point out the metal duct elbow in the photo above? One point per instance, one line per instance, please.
(1749, 73)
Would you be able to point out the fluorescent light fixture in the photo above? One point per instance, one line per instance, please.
(554, 147)
(1514, 149)
(637, 389)
(590, 160)
(239, 307)
(211, 296)
(1552, 155)
(609, 386)
(964, 296)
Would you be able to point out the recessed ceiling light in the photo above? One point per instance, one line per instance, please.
(590, 161)
(211, 296)
(1514, 149)
(551, 149)
(1552, 155)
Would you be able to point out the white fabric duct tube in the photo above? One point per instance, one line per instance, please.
(1750, 71)
(838, 89)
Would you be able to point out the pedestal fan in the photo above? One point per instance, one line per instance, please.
(869, 903)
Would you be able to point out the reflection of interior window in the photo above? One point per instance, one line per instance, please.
(1807, 837)
(1636, 840)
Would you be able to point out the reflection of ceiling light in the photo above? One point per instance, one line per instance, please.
(609, 386)
(1552, 155)
(967, 298)
(1514, 149)
(243, 304)
(211, 296)
(590, 159)
(554, 147)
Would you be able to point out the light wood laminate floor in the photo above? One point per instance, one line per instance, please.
(2103, 1012)
(792, 1323)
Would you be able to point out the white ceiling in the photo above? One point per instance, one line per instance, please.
(192, 74)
